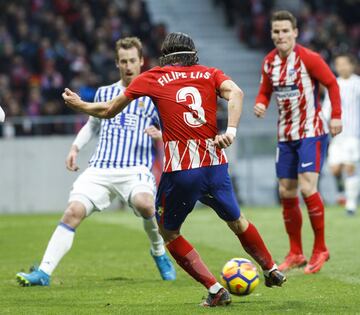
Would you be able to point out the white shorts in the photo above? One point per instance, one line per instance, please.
(96, 187)
(344, 150)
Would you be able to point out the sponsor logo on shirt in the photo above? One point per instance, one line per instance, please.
(286, 92)
(125, 121)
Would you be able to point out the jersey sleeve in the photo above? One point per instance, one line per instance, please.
(320, 71)
(265, 89)
(140, 86)
(220, 77)
(87, 132)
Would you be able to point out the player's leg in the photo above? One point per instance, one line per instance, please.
(144, 203)
(337, 172)
(286, 171)
(60, 243)
(336, 155)
(190, 261)
(85, 196)
(352, 156)
(137, 186)
(351, 188)
(176, 197)
(220, 196)
(288, 189)
(316, 210)
(311, 158)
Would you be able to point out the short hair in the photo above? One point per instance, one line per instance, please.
(349, 56)
(284, 15)
(177, 43)
(127, 43)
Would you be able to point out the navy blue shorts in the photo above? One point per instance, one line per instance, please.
(179, 191)
(300, 156)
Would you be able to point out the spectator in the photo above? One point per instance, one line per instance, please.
(46, 45)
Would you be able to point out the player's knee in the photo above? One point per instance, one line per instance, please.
(308, 189)
(350, 170)
(144, 204)
(336, 170)
(238, 226)
(168, 235)
(74, 214)
(287, 192)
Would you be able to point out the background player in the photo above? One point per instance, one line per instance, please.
(344, 150)
(195, 165)
(2, 115)
(294, 73)
(120, 167)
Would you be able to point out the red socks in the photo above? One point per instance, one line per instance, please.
(293, 222)
(315, 208)
(255, 247)
(189, 259)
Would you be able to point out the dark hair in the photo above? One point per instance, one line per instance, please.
(349, 56)
(284, 15)
(127, 43)
(178, 42)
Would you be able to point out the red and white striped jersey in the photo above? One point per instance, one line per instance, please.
(295, 82)
(186, 99)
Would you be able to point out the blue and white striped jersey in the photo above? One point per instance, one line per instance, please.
(122, 141)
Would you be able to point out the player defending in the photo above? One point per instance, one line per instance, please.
(294, 73)
(344, 150)
(195, 163)
(120, 166)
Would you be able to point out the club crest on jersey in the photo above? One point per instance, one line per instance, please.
(141, 104)
(292, 74)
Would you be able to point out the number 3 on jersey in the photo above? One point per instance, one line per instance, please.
(196, 115)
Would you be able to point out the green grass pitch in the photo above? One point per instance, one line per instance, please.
(109, 269)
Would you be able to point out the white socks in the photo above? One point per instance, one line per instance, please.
(351, 192)
(157, 242)
(215, 288)
(59, 244)
(267, 272)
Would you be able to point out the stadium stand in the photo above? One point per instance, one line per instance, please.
(46, 45)
(329, 27)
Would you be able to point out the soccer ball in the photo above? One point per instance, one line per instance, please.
(239, 276)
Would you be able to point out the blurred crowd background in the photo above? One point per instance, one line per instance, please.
(46, 45)
(322, 26)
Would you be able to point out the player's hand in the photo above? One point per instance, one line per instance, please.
(335, 126)
(223, 141)
(71, 159)
(71, 98)
(259, 110)
(153, 132)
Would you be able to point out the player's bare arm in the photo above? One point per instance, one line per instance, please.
(71, 159)
(107, 109)
(259, 110)
(234, 95)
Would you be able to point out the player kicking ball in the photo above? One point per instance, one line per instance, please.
(196, 166)
(120, 167)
